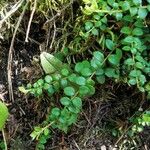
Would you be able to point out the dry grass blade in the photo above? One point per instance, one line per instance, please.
(12, 11)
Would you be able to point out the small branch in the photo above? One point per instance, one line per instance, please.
(59, 13)
(13, 10)
(54, 33)
(10, 56)
(31, 17)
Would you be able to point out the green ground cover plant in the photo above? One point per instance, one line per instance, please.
(103, 41)
(3, 118)
(3, 114)
(116, 36)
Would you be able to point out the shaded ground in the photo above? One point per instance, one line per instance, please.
(110, 108)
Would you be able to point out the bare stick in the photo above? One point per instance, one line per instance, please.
(54, 34)
(31, 17)
(10, 56)
(13, 10)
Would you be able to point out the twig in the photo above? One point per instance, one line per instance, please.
(32, 40)
(54, 33)
(31, 17)
(13, 10)
(10, 55)
(77, 146)
(59, 13)
(4, 138)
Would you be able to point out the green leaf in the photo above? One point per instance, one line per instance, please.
(46, 86)
(142, 79)
(140, 58)
(129, 39)
(98, 24)
(139, 65)
(72, 119)
(100, 79)
(132, 81)
(91, 89)
(78, 67)
(133, 50)
(77, 102)
(83, 90)
(65, 101)
(125, 5)
(72, 77)
(63, 121)
(133, 11)
(86, 72)
(135, 73)
(56, 86)
(55, 111)
(46, 132)
(88, 25)
(110, 2)
(128, 18)
(129, 61)
(80, 80)
(110, 44)
(104, 20)
(95, 63)
(50, 89)
(110, 72)
(126, 30)
(126, 48)
(23, 90)
(50, 64)
(39, 91)
(64, 82)
(137, 31)
(142, 12)
(40, 82)
(137, 2)
(115, 5)
(140, 128)
(139, 23)
(99, 56)
(29, 86)
(86, 64)
(89, 81)
(48, 79)
(42, 142)
(69, 91)
(56, 77)
(119, 16)
(35, 85)
(97, 17)
(100, 71)
(148, 7)
(3, 115)
(65, 72)
(74, 109)
(147, 70)
(95, 32)
(113, 59)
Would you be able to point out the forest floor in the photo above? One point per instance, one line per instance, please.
(110, 107)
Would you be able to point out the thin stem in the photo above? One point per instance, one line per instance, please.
(4, 138)
(30, 20)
